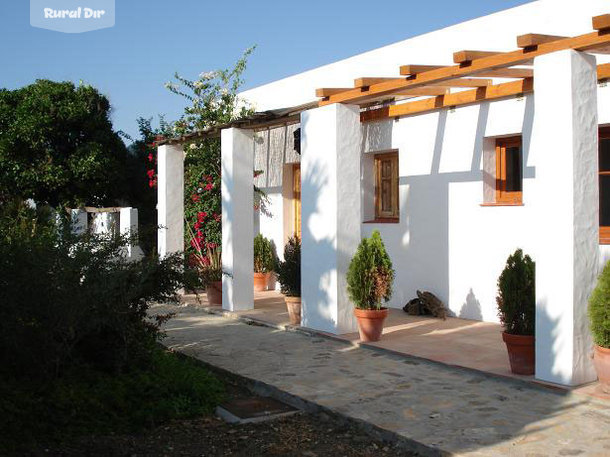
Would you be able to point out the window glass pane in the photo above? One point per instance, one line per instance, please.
(604, 154)
(604, 201)
(513, 169)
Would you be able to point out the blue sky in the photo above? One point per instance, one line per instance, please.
(152, 39)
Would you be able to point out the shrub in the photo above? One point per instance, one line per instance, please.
(517, 295)
(370, 275)
(289, 271)
(264, 257)
(76, 301)
(599, 309)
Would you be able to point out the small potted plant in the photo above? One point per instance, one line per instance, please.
(264, 262)
(289, 276)
(517, 311)
(599, 317)
(369, 282)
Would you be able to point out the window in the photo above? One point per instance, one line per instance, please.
(509, 171)
(386, 186)
(604, 185)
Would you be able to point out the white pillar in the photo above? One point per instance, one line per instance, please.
(78, 221)
(170, 199)
(237, 219)
(564, 150)
(331, 214)
(128, 222)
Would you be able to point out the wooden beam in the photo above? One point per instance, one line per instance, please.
(468, 56)
(467, 97)
(328, 91)
(463, 82)
(601, 22)
(407, 70)
(587, 42)
(603, 71)
(534, 39)
(364, 82)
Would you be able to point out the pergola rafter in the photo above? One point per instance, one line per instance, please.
(471, 68)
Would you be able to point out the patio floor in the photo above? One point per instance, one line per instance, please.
(459, 342)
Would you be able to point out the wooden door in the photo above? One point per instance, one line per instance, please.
(296, 198)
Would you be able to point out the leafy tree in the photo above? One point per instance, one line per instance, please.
(517, 295)
(57, 145)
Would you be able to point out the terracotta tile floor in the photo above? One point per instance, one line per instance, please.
(459, 342)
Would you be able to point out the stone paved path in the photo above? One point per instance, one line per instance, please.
(449, 411)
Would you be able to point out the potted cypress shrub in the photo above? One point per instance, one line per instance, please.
(264, 262)
(369, 281)
(517, 311)
(599, 317)
(289, 276)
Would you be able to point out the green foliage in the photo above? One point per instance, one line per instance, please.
(370, 275)
(264, 257)
(213, 100)
(88, 401)
(517, 295)
(57, 146)
(289, 271)
(70, 301)
(599, 309)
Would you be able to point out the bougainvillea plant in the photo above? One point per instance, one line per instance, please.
(213, 100)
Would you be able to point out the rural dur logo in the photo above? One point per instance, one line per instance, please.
(72, 16)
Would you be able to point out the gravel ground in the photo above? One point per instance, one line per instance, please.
(302, 434)
(298, 435)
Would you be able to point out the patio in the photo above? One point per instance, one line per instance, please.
(458, 342)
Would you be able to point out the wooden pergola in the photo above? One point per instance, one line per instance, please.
(472, 69)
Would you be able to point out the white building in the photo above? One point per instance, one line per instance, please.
(457, 165)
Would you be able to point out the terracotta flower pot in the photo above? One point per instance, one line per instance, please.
(294, 309)
(521, 354)
(370, 323)
(601, 360)
(214, 293)
(260, 281)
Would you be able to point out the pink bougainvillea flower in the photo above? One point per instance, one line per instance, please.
(151, 183)
(209, 178)
(212, 245)
(195, 197)
(197, 225)
(150, 157)
(217, 217)
(209, 186)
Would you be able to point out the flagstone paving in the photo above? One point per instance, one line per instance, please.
(436, 409)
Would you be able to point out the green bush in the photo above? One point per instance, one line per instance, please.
(517, 295)
(75, 301)
(264, 257)
(289, 271)
(599, 309)
(370, 275)
(88, 401)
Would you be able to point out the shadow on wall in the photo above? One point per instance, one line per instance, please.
(317, 253)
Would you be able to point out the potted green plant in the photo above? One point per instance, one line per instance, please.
(599, 317)
(289, 276)
(369, 282)
(517, 311)
(264, 262)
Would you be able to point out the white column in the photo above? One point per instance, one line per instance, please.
(128, 222)
(237, 219)
(331, 214)
(564, 151)
(170, 199)
(78, 221)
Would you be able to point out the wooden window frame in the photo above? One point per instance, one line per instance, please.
(604, 231)
(503, 196)
(394, 214)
